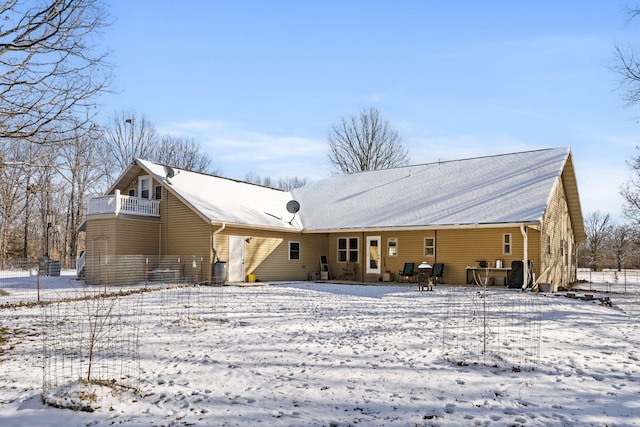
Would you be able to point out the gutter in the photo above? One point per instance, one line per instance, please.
(525, 266)
(214, 251)
(532, 224)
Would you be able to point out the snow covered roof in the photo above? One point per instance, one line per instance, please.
(500, 189)
(509, 188)
(226, 200)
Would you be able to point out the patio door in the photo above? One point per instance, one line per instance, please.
(236, 259)
(373, 254)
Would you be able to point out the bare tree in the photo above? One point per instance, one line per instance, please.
(126, 137)
(183, 153)
(289, 183)
(621, 243)
(80, 175)
(630, 191)
(365, 142)
(627, 65)
(598, 228)
(50, 69)
(254, 178)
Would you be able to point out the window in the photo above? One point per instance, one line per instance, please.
(353, 249)
(548, 245)
(348, 249)
(294, 250)
(429, 246)
(158, 192)
(144, 183)
(342, 250)
(132, 193)
(392, 246)
(506, 244)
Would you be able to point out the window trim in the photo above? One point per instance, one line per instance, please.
(291, 251)
(507, 243)
(141, 179)
(351, 253)
(395, 246)
(426, 248)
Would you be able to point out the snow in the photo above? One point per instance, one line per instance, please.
(506, 188)
(319, 354)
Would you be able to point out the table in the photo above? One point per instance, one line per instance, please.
(486, 272)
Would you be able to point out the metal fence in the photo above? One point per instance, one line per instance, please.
(28, 281)
(609, 280)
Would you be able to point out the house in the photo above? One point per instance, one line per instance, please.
(487, 211)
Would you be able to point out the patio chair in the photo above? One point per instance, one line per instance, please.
(350, 271)
(438, 271)
(407, 272)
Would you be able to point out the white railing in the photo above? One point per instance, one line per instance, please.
(117, 203)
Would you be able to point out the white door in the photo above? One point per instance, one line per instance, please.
(236, 259)
(373, 254)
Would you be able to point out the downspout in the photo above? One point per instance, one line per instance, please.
(214, 252)
(525, 267)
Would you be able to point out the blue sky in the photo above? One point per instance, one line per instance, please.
(259, 83)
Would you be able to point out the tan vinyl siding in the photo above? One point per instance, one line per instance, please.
(456, 248)
(558, 268)
(267, 253)
(137, 235)
(183, 231)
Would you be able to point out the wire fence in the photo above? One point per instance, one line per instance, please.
(493, 328)
(29, 281)
(609, 281)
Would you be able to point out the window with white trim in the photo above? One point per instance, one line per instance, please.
(392, 246)
(294, 250)
(429, 246)
(506, 244)
(348, 249)
(144, 187)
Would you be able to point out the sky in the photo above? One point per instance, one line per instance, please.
(258, 84)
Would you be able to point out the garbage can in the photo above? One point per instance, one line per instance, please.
(220, 272)
(54, 268)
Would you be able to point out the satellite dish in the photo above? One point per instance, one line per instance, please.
(293, 206)
(169, 172)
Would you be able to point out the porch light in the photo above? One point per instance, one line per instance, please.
(425, 265)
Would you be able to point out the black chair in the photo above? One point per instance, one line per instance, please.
(407, 271)
(438, 272)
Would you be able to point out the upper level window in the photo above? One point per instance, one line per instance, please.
(144, 184)
(392, 246)
(429, 246)
(158, 192)
(294, 250)
(132, 192)
(506, 244)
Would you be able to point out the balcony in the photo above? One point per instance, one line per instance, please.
(118, 203)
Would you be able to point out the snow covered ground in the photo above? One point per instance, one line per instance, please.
(312, 354)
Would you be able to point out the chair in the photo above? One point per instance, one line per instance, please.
(407, 271)
(438, 271)
(350, 271)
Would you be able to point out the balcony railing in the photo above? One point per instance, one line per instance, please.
(117, 203)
